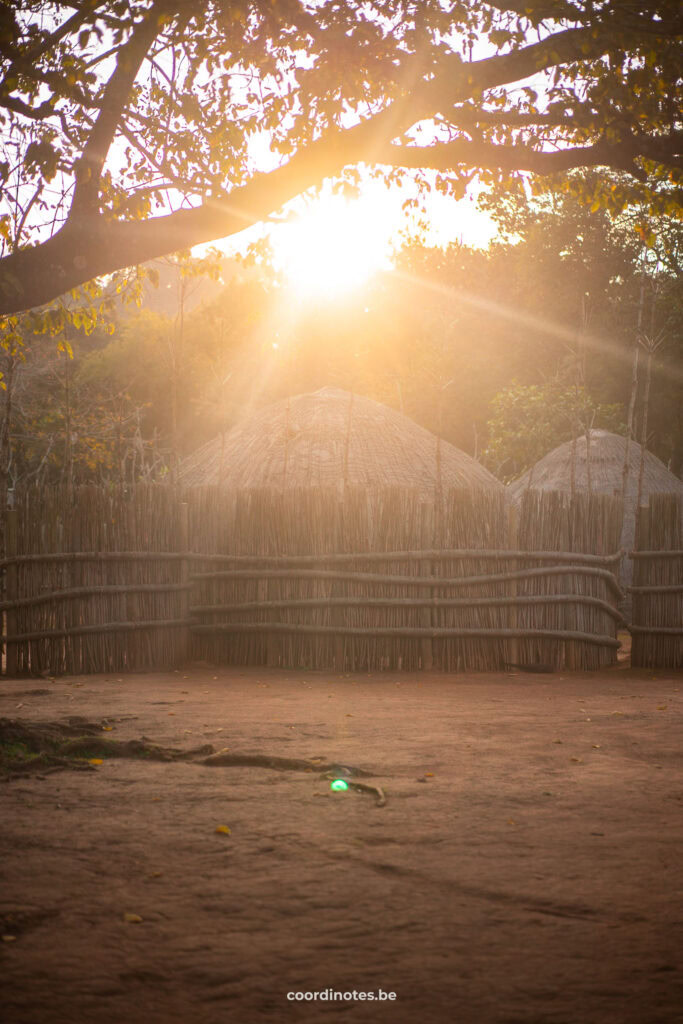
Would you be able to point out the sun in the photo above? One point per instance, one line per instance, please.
(334, 246)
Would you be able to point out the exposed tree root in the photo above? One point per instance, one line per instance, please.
(226, 759)
(43, 747)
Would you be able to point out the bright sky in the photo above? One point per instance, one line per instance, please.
(336, 244)
(331, 244)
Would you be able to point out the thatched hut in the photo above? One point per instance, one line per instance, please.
(332, 437)
(597, 465)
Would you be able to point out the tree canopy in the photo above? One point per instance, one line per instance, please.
(135, 128)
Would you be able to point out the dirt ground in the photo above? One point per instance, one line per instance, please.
(526, 867)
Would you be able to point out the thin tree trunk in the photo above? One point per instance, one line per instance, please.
(634, 390)
(643, 434)
(5, 438)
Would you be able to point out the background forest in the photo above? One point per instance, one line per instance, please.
(504, 352)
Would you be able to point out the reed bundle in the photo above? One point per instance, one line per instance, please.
(658, 585)
(94, 614)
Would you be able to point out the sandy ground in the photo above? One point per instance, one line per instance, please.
(526, 867)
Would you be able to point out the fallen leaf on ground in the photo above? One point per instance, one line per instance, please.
(107, 728)
(578, 760)
(662, 707)
(95, 760)
(9, 938)
(132, 919)
(596, 746)
(223, 830)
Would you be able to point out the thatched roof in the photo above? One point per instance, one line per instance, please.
(607, 451)
(329, 437)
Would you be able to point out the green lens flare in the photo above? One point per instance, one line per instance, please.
(338, 785)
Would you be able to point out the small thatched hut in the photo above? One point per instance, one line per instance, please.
(598, 466)
(332, 437)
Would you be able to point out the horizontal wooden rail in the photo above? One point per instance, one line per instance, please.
(656, 554)
(107, 627)
(435, 554)
(666, 630)
(60, 595)
(429, 582)
(95, 556)
(408, 602)
(577, 557)
(664, 588)
(401, 633)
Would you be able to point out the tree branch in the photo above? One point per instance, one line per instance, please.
(90, 245)
(116, 92)
(465, 153)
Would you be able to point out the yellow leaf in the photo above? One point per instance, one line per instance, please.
(429, 775)
(95, 760)
(132, 919)
(223, 830)
(662, 707)
(9, 938)
(107, 728)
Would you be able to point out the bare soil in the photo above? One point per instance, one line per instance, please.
(525, 868)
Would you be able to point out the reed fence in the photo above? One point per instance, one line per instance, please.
(657, 591)
(364, 581)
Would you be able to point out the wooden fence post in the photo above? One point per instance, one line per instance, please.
(11, 581)
(427, 654)
(512, 623)
(184, 595)
(131, 601)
